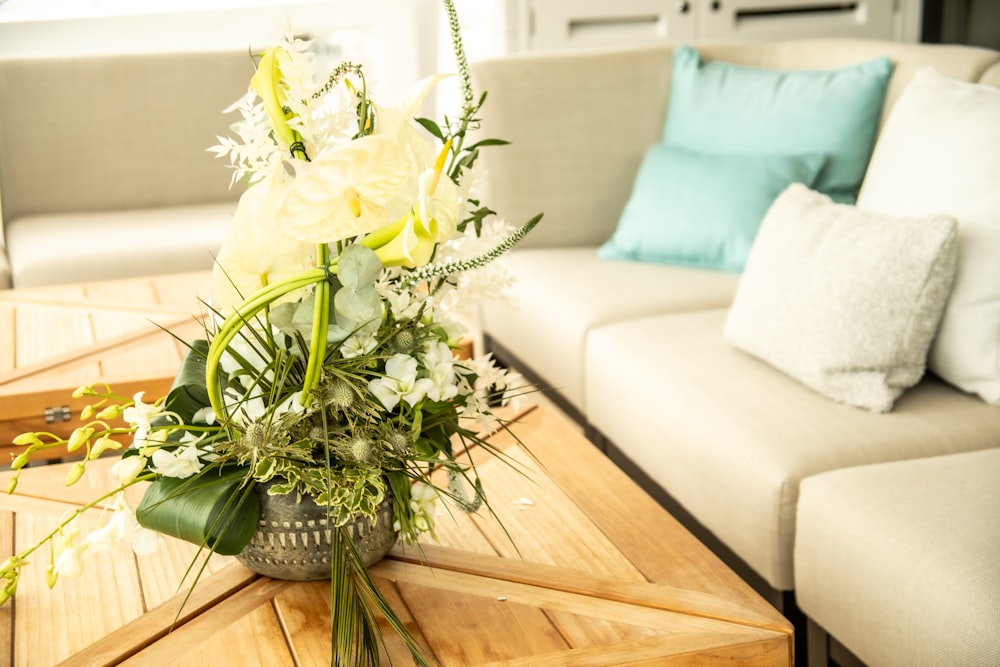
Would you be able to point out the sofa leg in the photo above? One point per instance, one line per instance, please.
(817, 645)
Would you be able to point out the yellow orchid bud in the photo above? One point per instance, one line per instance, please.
(27, 439)
(110, 412)
(87, 412)
(82, 391)
(51, 576)
(103, 444)
(19, 461)
(266, 82)
(8, 590)
(12, 484)
(75, 473)
(78, 438)
(11, 564)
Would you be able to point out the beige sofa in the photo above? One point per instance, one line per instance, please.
(104, 171)
(635, 350)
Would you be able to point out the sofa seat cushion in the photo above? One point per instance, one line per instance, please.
(730, 438)
(560, 294)
(63, 248)
(899, 561)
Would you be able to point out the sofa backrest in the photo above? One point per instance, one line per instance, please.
(116, 132)
(579, 123)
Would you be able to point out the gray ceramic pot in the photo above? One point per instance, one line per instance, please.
(292, 540)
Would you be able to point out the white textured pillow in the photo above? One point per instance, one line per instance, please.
(845, 301)
(940, 153)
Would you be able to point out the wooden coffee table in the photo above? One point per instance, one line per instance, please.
(54, 339)
(594, 572)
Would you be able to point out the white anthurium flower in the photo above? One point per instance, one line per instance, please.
(439, 198)
(400, 383)
(410, 103)
(411, 240)
(181, 462)
(347, 190)
(256, 252)
(397, 122)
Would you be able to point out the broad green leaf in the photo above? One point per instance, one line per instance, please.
(188, 393)
(210, 510)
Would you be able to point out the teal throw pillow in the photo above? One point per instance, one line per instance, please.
(718, 107)
(702, 210)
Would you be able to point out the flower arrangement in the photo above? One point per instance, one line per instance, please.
(328, 368)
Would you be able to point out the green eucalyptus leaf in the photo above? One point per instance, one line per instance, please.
(212, 510)
(354, 307)
(358, 266)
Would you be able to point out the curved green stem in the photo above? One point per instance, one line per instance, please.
(320, 324)
(239, 318)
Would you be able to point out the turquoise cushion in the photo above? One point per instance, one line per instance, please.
(718, 107)
(702, 210)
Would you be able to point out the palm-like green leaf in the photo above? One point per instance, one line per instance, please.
(354, 601)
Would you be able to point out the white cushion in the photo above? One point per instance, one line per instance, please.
(560, 294)
(940, 153)
(730, 437)
(65, 247)
(899, 561)
(842, 300)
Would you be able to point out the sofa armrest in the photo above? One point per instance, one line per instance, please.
(579, 124)
(6, 274)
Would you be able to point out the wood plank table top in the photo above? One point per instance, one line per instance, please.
(56, 338)
(592, 571)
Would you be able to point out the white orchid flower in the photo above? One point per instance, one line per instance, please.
(400, 383)
(404, 305)
(423, 501)
(69, 563)
(181, 462)
(128, 468)
(205, 415)
(439, 362)
(124, 527)
(141, 415)
(358, 345)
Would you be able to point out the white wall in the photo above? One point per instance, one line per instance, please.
(387, 36)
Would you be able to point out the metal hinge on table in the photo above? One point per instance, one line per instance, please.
(58, 414)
